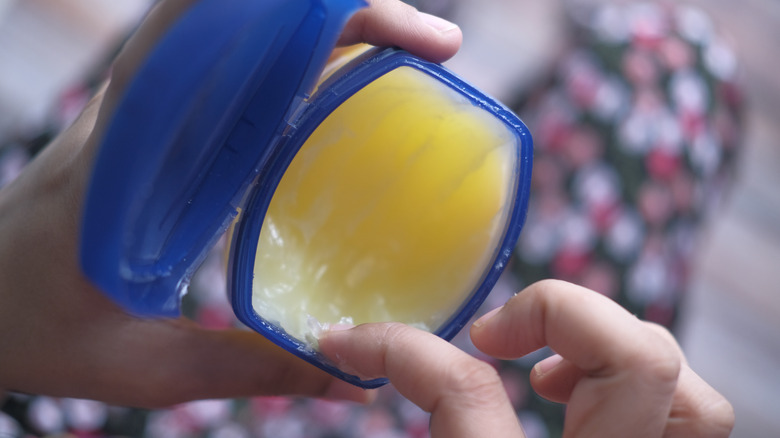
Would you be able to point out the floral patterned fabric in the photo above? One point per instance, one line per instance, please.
(636, 135)
(636, 131)
(635, 139)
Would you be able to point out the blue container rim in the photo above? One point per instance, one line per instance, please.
(333, 92)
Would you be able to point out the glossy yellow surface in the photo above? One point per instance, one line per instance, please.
(390, 211)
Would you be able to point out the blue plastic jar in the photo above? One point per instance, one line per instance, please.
(208, 128)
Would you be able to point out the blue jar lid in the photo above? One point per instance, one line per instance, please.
(189, 136)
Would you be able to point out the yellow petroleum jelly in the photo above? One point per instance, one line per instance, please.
(391, 210)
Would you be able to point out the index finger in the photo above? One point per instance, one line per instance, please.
(630, 371)
(464, 395)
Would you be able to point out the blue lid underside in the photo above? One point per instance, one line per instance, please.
(188, 138)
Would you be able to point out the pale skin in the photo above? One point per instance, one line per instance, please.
(62, 337)
(618, 376)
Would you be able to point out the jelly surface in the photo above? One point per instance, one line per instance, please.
(391, 210)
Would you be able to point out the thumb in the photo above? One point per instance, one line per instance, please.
(393, 23)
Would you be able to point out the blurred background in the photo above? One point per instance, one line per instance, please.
(730, 324)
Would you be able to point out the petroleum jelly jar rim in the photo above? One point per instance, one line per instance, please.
(336, 90)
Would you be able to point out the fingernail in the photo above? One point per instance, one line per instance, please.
(441, 25)
(486, 317)
(335, 339)
(319, 329)
(546, 365)
(339, 327)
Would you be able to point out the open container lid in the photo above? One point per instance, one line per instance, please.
(194, 128)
